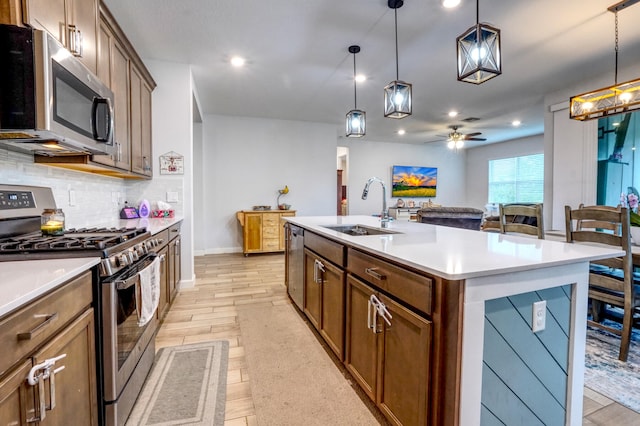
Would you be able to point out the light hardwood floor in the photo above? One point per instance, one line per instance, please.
(229, 282)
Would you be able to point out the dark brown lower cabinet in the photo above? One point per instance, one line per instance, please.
(390, 360)
(17, 398)
(324, 300)
(69, 394)
(163, 300)
(75, 383)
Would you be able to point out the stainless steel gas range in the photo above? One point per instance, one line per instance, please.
(126, 349)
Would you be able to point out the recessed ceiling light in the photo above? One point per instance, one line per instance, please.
(360, 78)
(237, 61)
(450, 3)
(516, 123)
(453, 113)
(401, 132)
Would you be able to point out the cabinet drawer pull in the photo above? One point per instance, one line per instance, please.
(372, 273)
(39, 328)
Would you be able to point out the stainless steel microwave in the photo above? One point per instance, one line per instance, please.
(50, 103)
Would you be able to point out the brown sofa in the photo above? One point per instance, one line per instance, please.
(456, 217)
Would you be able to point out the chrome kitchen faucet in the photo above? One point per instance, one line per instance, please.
(384, 217)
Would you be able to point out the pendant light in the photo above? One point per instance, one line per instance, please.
(356, 119)
(397, 94)
(616, 99)
(479, 52)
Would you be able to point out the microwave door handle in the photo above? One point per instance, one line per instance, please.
(94, 112)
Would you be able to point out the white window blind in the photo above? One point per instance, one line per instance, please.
(517, 179)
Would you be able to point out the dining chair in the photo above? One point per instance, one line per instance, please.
(598, 224)
(614, 293)
(521, 218)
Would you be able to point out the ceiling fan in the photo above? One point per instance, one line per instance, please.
(455, 139)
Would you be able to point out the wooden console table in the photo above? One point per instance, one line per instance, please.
(262, 230)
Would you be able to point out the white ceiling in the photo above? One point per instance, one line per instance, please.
(298, 66)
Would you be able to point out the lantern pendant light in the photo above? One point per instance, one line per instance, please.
(616, 99)
(397, 94)
(479, 52)
(356, 119)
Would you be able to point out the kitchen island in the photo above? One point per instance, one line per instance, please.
(447, 315)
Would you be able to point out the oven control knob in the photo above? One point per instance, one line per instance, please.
(122, 260)
(134, 256)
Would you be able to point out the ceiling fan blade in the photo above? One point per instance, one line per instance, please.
(476, 139)
(435, 140)
(473, 134)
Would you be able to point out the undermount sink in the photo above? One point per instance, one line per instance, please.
(357, 230)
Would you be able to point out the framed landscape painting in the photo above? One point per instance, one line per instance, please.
(414, 181)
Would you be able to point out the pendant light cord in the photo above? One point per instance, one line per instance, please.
(395, 12)
(616, 44)
(355, 92)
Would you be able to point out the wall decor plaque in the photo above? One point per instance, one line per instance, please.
(171, 163)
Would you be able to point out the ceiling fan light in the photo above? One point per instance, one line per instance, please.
(356, 123)
(397, 99)
(451, 144)
(459, 144)
(479, 54)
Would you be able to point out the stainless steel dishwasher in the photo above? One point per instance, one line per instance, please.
(295, 264)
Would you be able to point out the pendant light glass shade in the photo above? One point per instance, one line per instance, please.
(623, 97)
(479, 53)
(356, 119)
(397, 99)
(356, 123)
(397, 94)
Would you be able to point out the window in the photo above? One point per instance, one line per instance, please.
(517, 179)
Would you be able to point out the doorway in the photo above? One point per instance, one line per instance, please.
(342, 181)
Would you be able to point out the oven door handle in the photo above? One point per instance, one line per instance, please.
(128, 282)
(125, 284)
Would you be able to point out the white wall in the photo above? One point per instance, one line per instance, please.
(368, 159)
(477, 165)
(172, 131)
(247, 160)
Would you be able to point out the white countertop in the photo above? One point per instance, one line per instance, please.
(154, 225)
(454, 253)
(24, 280)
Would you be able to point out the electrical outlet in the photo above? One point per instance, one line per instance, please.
(539, 316)
(172, 197)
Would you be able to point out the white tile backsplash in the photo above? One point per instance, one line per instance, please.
(94, 194)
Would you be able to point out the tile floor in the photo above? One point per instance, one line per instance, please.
(228, 282)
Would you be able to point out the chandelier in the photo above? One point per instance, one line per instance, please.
(616, 99)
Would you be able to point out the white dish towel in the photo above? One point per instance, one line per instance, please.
(149, 291)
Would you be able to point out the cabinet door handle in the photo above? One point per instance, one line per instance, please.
(372, 273)
(44, 371)
(379, 309)
(318, 270)
(75, 41)
(40, 327)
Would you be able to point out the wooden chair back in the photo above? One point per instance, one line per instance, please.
(611, 281)
(598, 224)
(526, 212)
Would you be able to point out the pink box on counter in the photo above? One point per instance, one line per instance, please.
(162, 213)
